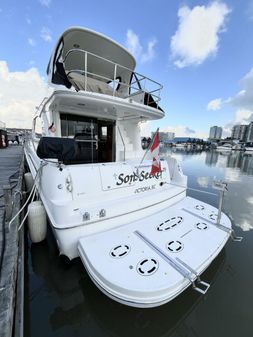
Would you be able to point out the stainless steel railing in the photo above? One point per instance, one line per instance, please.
(138, 84)
(122, 139)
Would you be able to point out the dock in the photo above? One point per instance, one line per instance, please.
(11, 242)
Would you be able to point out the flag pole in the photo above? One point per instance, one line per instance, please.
(148, 148)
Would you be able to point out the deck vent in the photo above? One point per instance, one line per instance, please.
(170, 223)
(175, 246)
(147, 267)
(201, 225)
(200, 207)
(213, 216)
(120, 251)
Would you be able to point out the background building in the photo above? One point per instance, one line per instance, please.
(249, 134)
(243, 133)
(215, 132)
(239, 132)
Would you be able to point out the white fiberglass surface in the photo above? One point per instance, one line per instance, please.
(121, 273)
(185, 231)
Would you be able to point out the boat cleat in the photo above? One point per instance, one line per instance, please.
(200, 286)
(236, 238)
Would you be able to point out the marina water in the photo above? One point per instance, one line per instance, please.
(61, 299)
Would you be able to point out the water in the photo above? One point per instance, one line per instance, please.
(61, 300)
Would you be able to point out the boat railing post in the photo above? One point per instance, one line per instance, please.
(220, 206)
(222, 187)
(159, 96)
(114, 78)
(85, 67)
(145, 84)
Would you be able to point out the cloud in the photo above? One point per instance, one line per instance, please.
(150, 53)
(31, 42)
(243, 116)
(45, 3)
(249, 11)
(241, 101)
(189, 131)
(21, 93)
(135, 47)
(244, 98)
(179, 130)
(133, 43)
(197, 36)
(45, 34)
(215, 104)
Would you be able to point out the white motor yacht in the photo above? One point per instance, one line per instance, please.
(140, 238)
(224, 147)
(181, 145)
(248, 147)
(238, 147)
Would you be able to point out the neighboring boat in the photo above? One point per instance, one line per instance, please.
(249, 147)
(181, 145)
(224, 147)
(141, 240)
(238, 147)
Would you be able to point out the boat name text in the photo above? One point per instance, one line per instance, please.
(126, 179)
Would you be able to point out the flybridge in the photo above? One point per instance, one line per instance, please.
(88, 61)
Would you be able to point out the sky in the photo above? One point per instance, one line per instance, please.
(200, 51)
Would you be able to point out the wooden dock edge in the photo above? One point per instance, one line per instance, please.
(12, 278)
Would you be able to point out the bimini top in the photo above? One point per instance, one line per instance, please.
(83, 51)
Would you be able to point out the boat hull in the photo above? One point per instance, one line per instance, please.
(91, 206)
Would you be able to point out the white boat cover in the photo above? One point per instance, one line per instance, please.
(135, 264)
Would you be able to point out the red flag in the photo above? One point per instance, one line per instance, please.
(156, 164)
